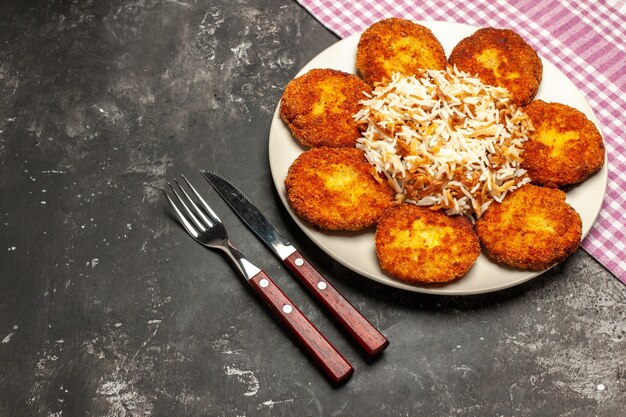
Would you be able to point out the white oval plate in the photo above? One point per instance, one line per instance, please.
(356, 250)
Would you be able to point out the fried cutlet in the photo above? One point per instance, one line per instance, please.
(334, 189)
(533, 228)
(420, 245)
(565, 147)
(318, 107)
(502, 58)
(397, 45)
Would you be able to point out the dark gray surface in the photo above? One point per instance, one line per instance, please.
(107, 308)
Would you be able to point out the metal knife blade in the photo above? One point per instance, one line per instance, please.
(372, 341)
(251, 215)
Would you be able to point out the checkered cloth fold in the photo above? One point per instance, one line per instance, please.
(585, 39)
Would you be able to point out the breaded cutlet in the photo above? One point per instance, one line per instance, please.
(397, 45)
(533, 228)
(565, 147)
(502, 58)
(334, 189)
(420, 246)
(318, 107)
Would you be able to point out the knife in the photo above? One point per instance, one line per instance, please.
(372, 341)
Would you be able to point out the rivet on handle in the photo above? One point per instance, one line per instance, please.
(299, 262)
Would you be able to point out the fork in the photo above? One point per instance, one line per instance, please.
(203, 224)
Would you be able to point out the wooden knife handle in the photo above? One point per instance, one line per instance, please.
(332, 363)
(366, 335)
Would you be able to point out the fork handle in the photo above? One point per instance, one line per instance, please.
(362, 331)
(332, 363)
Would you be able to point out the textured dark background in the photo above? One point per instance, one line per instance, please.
(107, 308)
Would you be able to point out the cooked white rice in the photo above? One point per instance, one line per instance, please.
(445, 139)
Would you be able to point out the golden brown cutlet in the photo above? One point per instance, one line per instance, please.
(318, 107)
(397, 45)
(334, 189)
(419, 245)
(565, 147)
(533, 228)
(502, 58)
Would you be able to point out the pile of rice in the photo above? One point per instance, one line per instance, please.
(444, 139)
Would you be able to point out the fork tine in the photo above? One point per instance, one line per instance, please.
(208, 223)
(186, 224)
(195, 220)
(208, 209)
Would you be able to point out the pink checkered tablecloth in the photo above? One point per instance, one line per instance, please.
(585, 39)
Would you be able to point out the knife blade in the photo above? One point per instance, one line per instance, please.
(370, 339)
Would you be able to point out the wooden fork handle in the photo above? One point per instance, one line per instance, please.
(362, 331)
(331, 362)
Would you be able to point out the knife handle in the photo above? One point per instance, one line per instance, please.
(332, 363)
(366, 335)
